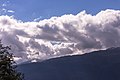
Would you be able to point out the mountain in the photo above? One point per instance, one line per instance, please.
(97, 65)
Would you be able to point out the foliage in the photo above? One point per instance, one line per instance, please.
(7, 65)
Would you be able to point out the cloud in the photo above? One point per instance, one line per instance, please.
(11, 11)
(37, 19)
(5, 9)
(60, 36)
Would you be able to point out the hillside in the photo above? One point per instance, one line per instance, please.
(98, 65)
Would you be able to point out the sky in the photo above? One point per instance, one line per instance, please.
(44, 9)
(43, 29)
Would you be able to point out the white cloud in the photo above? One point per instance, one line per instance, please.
(4, 9)
(59, 36)
(4, 5)
(10, 11)
(37, 19)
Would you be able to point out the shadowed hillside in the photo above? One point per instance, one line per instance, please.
(98, 65)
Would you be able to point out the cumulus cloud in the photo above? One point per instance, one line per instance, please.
(60, 36)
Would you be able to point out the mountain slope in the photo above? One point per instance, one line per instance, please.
(98, 65)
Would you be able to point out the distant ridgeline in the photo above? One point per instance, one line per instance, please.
(97, 65)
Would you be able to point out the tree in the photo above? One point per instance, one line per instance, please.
(7, 65)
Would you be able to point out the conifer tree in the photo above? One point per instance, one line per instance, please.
(7, 65)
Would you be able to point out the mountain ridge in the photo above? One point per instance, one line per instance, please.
(97, 65)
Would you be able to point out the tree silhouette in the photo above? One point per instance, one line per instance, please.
(7, 65)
